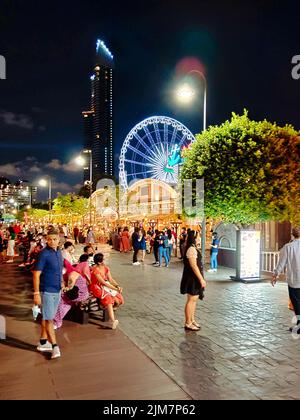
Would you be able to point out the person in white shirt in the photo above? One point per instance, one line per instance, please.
(65, 231)
(68, 252)
(290, 260)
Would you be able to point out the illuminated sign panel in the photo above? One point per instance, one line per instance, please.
(248, 254)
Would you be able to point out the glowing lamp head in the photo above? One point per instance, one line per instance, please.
(43, 183)
(185, 94)
(80, 161)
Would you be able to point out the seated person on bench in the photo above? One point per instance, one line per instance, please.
(106, 289)
(71, 278)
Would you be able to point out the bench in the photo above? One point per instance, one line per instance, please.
(81, 312)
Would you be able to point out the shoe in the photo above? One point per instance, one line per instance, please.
(55, 327)
(167, 265)
(113, 324)
(295, 330)
(55, 353)
(191, 327)
(215, 270)
(136, 263)
(196, 325)
(21, 265)
(44, 347)
(9, 261)
(210, 270)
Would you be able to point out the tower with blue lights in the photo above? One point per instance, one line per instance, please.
(98, 121)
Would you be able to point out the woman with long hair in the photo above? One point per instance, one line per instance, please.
(125, 241)
(171, 243)
(11, 245)
(106, 289)
(143, 244)
(192, 283)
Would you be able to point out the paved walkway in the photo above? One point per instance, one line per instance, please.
(244, 350)
(95, 364)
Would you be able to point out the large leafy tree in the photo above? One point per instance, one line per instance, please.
(251, 170)
(71, 204)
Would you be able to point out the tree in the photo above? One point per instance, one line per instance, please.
(36, 214)
(251, 170)
(71, 205)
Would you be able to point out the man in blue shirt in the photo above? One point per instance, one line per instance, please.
(162, 249)
(214, 253)
(47, 282)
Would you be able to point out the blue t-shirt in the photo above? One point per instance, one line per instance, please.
(215, 242)
(50, 263)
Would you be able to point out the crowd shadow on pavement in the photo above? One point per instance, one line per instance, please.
(19, 344)
(19, 313)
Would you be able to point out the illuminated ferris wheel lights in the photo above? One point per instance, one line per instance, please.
(153, 149)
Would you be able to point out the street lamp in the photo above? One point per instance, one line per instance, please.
(185, 94)
(82, 162)
(43, 183)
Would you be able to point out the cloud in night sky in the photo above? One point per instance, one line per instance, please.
(56, 164)
(16, 120)
(32, 169)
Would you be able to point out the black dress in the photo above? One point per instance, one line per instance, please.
(189, 282)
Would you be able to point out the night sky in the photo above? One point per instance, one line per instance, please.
(49, 46)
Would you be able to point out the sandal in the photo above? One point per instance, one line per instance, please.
(191, 327)
(196, 325)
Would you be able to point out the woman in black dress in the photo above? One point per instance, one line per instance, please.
(192, 283)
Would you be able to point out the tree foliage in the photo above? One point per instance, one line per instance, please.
(70, 204)
(251, 170)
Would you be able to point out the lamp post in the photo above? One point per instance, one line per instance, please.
(82, 162)
(185, 94)
(43, 183)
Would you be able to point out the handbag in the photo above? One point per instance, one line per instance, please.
(73, 293)
(110, 291)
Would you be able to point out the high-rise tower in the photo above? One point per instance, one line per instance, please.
(98, 121)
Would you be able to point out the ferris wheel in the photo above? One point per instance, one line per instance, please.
(153, 149)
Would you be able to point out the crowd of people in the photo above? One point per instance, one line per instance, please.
(62, 280)
(162, 243)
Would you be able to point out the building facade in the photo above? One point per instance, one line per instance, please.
(15, 196)
(98, 121)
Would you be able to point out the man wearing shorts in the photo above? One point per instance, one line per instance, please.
(47, 283)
